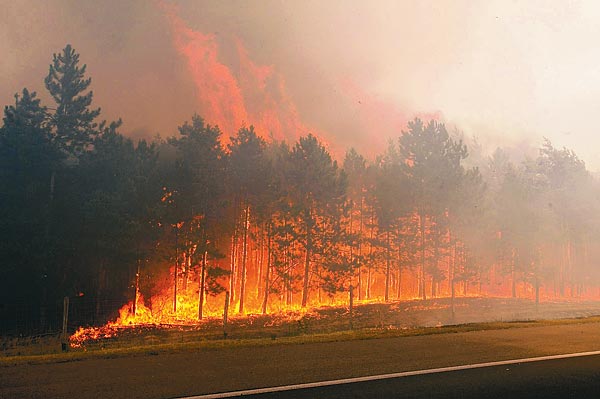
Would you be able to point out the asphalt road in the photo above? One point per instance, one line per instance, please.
(561, 378)
(207, 371)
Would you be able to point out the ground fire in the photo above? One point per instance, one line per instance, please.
(247, 209)
(251, 225)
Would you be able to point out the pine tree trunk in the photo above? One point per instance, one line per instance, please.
(244, 258)
(175, 271)
(288, 263)
(232, 270)
(186, 262)
(202, 290)
(422, 285)
(260, 260)
(267, 271)
(234, 254)
(350, 227)
(370, 257)
(307, 259)
(360, 232)
(399, 292)
(387, 268)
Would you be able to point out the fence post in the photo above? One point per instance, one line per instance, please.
(65, 334)
(225, 313)
(351, 304)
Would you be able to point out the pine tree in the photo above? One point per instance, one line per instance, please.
(250, 178)
(27, 157)
(434, 170)
(317, 189)
(73, 121)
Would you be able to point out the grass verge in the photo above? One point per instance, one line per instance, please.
(371, 333)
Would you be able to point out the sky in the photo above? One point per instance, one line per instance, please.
(352, 72)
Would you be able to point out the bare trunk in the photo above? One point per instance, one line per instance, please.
(234, 254)
(387, 268)
(399, 292)
(233, 270)
(202, 290)
(370, 257)
(175, 271)
(422, 285)
(360, 231)
(267, 271)
(288, 263)
(352, 244)
(185, 270)
(307, 260)
(244, 258)
(260, 260)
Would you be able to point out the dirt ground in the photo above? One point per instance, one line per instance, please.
(233, 368)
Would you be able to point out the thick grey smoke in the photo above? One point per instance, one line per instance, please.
(357, 71)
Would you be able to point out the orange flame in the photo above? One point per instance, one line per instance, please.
(249, 94)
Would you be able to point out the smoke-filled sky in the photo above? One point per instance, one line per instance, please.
(353, 72)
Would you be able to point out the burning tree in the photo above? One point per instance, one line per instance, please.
(250, 178)
(196, 198)
(180, 221)
(316, 193)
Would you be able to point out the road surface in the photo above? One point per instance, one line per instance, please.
(566, 376)
(207, 371)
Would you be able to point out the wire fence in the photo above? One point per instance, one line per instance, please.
(27, 328)
(19, 319)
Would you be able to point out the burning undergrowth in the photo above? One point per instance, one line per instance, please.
(212, 327)
(395, 315)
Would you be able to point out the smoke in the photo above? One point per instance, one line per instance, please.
(240, 94)
(350, 72)
(156, 63)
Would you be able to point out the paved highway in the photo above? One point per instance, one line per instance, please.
(207, 371)
(563, 377)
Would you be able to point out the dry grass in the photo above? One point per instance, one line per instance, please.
(193, 341)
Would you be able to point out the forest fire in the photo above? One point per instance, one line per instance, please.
(158, 311)
(252, 95)
(214, 222)
(246, 225)
(226, 198)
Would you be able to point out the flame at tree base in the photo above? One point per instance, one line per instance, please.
(144, 319)
(374, 314)
(159, 315)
